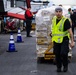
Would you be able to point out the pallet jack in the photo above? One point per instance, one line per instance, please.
(48, 54)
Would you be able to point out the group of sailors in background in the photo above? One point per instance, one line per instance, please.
(73, 18)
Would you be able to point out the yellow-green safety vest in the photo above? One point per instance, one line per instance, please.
(57, 30)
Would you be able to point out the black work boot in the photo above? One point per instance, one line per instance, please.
(65, 69)
(58, 69)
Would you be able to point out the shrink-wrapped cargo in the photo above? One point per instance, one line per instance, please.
(43, 30)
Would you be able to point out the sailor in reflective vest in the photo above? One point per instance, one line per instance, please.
(61, 33)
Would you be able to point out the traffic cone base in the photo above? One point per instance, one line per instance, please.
(11, 51)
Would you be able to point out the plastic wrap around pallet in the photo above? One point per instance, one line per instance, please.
(46, 14)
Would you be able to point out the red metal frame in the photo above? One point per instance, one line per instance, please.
(19, 16)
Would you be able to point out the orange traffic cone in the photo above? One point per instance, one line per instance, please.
(19, 37)
(11, 47)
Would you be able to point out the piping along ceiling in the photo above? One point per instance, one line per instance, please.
(63, 2)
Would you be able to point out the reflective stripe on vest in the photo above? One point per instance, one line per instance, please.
(61, 24)
(60, 34)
